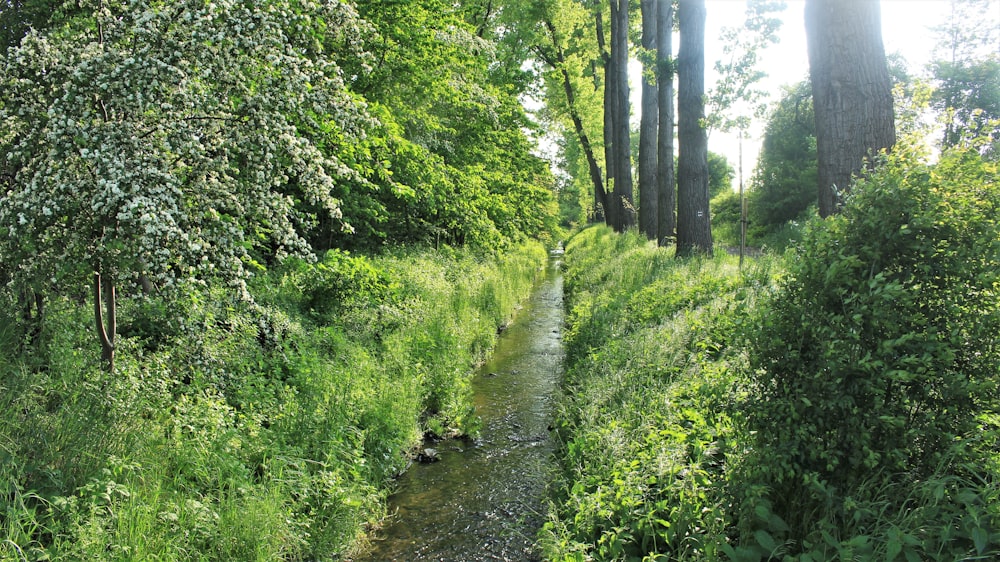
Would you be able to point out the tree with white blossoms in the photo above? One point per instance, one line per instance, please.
(170, 141)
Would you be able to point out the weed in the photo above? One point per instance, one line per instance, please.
(838, 403)
(231, 430)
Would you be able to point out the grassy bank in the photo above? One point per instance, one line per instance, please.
(647, 417)
(238, 431)
(839, 403)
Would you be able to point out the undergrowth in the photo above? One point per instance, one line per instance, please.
(839, 402)
(231, 430)
(647, 420)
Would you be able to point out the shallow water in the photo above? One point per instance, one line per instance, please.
(484, 499)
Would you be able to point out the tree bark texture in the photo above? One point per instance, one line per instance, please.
(648, 124)
(694, 228)
(610, 157)
(623, 210)
(667, 197)
(32, 304)
(852, 91)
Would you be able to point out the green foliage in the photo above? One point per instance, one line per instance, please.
(340, 283)
(237, 431)
(875, 366)
(645, 424)
(968, 94)
(842, 405)
(720, 175)
(966, 72)
(171, 140)
(558, 37)
(726, 216)
(737, 97)
(724, 202)
(18, 16)
(783, 186)
(460, 167)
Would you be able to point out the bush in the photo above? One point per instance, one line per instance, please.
(877, 362)
(244, 431)
(726, 217)
(844, 405)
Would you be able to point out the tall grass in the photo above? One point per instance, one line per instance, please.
(245, 431)
(646, 422)
(838, 403)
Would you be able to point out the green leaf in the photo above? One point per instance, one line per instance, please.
(765, 540)
(860, 541)
(740, 553)
(894, 547)
(776, 523)
(980, 537)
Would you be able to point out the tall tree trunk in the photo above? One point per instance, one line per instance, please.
(611, 214)
(648, 123)
(556, 59)
(852, 91)
(610, 84)
(600, 196)
(621, 154)
(694, 227)
(104, 297)
(667, 197)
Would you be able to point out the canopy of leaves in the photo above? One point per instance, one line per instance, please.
(736, 97)
(966, 71)
(720, 174)
(969, 93)
(560, 38)
(183, 140)
(18, 16)
(173, 139)
(460, 167)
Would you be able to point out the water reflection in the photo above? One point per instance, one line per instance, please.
(483, 500)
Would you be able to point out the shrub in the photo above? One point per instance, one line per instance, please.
(878, 357)
(244, 431)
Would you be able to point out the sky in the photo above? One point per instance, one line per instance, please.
(906, 29)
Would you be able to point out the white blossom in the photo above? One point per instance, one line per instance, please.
(169, 145)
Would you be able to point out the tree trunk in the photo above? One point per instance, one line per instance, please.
(32, 314)
(648, 123)
(610, 85)
(621, 154)
(557, 60)
(667, 197)
(694, 228)
(852, 91)
(610, 156)
(600, 196)
(104, 296)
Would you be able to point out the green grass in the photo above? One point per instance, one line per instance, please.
(659, 459)
(236, 431)
(645, 420)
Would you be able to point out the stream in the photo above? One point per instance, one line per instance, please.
(484, 499)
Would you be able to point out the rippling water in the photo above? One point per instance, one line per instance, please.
(484, 499)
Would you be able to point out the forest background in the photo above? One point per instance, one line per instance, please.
(252, 249)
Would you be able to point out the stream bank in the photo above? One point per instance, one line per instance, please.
(484, 499)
